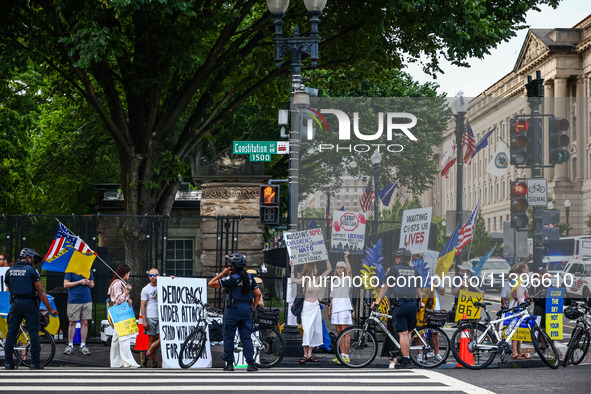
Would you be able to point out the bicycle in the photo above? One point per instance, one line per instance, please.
(478, 340)
(269, 345)
(22, 347)
(363, 348)
(578, 346)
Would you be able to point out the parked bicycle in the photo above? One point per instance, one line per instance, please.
(480, 343)
(269, 345)
(429, 346)
(22, 347)
(578, 346)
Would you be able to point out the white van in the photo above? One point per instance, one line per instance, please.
(580, 282)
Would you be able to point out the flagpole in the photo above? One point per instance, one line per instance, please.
(96, 254)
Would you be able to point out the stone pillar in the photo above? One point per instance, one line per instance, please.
(548, 108)
(561, 111)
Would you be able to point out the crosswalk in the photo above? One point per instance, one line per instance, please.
(272, 380)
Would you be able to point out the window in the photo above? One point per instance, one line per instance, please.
(179, 257)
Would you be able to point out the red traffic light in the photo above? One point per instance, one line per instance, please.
(521, 126)
(519, 189)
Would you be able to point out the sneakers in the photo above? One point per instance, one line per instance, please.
(9, 366)
(143, 360)
(84, 350)
(252, 368)
(36, 367)
(438, 357)
(419, 357)
(345, 359)
(405, 363)
(229, 367)
(69, 350)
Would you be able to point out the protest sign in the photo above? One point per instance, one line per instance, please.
(554, 306)
(348, 232)
(523, 334)
(466, 300)
(124, 320)
(177, 317)
(2, 276)
(414, 231)
(305, 246)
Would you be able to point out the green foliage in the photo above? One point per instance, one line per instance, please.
(588, 223)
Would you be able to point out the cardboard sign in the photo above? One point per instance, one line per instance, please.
(523, 334)
(414, 231)
(178, 316)
(305, 246)
(348, 232)
(123, 318)
(466, 300)
(554, 309)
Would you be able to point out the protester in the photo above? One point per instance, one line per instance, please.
(539, 293)
(149, 312)
(311, 314)
(467, 283)
(339, 311)
(434, 304)
(406, 295)
(5, 260)
(118, 294)
(26, 292)
(79, 308)
(518, 296)
(238, 308)
(506, 290)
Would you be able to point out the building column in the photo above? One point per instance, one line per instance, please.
(560, 110)
(548, 108)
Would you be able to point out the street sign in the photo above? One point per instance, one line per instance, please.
(260, 147)
(537, 194)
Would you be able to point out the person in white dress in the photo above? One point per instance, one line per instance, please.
(339, 311)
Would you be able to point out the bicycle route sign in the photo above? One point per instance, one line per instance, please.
(537, 192)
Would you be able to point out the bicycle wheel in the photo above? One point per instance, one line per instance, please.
(545, 347)
(269, 347)
(581, 347)
(362, 345)
(429, 347)
(571, 345)
(469, 350)
(192, 348)
(22, 347)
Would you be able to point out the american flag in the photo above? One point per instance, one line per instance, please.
(367, 198)
(467, 230)
(469, 143)
(401, 198)
(63, 238)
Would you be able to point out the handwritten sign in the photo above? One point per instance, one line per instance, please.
(554, 309)
(466, 308)
(178, 316)
(348, 232)
(123, 318)
(414, 231)
(305, 246)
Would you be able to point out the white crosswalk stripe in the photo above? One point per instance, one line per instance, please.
(273, 380)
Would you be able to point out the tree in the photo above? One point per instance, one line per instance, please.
(588, 223)
(164, 76)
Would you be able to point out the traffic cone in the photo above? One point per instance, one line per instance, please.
(77, 338)
(465, 354)
(142, 341)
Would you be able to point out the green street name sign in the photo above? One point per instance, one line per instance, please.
(260, 150)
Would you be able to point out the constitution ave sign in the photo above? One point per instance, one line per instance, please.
(414, 232)
(260, 150)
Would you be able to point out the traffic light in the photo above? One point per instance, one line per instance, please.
(558, 140)
(519, 205)
(269, 204)
(520, 145)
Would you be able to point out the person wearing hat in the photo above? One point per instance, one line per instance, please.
(406, 298)
(239, 285)
(466, 283)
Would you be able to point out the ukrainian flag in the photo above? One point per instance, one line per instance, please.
(446, 257)
(71, 260)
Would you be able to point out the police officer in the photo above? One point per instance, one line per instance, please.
(238, 308)
(24, 283)
(405, 281)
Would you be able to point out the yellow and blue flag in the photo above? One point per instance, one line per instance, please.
(68, 253)
(478, 267)
(446, 257)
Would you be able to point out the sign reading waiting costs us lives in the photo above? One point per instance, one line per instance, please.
(260, 150)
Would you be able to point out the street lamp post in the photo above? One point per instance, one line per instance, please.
(376, 159)
(567, 211)
(459, 106)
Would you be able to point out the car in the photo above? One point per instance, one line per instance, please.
(578, 281)
(494, 268)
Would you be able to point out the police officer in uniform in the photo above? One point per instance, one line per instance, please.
(406, 297)
(238, 308)
(24, 283)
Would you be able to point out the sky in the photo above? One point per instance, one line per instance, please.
(485, 72)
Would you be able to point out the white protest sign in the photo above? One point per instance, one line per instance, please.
(177, 317)
(348, 232)
(414, 231)
(305, 246)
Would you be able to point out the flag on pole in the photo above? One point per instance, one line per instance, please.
(478, 267)
(483, 142)
(499, 164)
(367, 197)
(401, 199)
(68, 253)
(386, 193)
(465, 235)
(446, 257)
(469, 143)
(450, 157)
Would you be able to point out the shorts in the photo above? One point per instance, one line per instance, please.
(80, 311)
(405, 316)
(153, 322)
(342, 317)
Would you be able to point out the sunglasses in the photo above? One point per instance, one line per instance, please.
(153, 275)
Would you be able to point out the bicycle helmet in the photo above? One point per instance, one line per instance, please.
(28, 252)
(403, 254)
(572, 313)
(238, 260)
